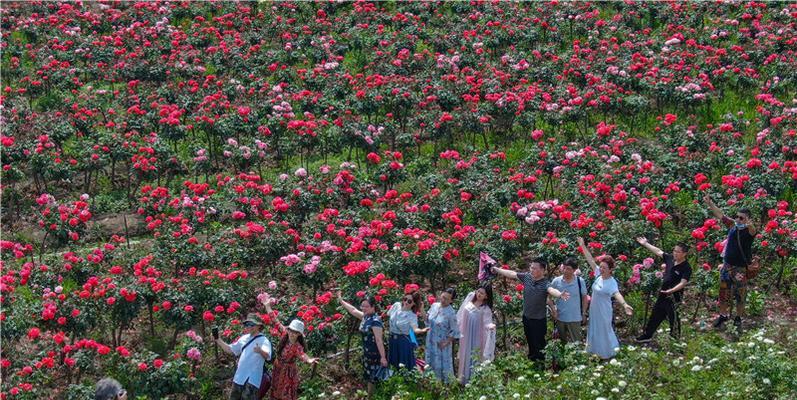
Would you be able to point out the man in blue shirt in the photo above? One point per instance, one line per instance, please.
(570, 315)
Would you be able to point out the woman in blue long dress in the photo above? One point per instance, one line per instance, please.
(601, 339)
(374, 358)
(443, 330)
(403, 319)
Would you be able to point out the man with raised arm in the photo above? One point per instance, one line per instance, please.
(736, 257)
(536, 289)
(252, 349)
(677, 273)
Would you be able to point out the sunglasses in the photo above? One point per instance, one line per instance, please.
(410, 301)
(739, 216)
(249, 324)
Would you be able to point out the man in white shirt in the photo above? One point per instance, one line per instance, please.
(252, 349)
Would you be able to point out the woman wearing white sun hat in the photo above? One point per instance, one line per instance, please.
(285, 379)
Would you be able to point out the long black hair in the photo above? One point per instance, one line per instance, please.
(284, 340)
(488, 288)
(451, 291)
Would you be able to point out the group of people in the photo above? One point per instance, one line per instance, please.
(251, 381)
(565, 298)
(472, 326)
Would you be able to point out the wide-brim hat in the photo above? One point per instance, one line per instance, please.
(297, 326)
(253, 318)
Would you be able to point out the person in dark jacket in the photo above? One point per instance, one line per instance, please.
(736, 258)
(676, 275)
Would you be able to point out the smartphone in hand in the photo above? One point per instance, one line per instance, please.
(215, 331)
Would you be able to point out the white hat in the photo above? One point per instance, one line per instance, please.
(297, 326)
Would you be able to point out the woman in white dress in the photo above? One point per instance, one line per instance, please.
(601, 339)
(477, 330)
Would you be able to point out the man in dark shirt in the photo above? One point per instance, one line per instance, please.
(536, 288)
(677, 273)
(736, 257)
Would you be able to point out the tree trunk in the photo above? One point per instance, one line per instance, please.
(173, 342)
(647, 307)
(347, 350)
(151, 320)
(700, 301)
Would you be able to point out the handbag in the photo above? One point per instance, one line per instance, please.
(265, 384)
(753, 266)
(413, 339)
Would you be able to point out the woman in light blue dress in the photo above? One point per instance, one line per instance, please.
(443, 330)
(601, 339)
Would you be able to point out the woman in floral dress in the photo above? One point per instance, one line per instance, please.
(443, 330)
(374, 358)
(285, 376)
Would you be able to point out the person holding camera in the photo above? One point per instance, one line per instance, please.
(536, 289)
(570, 315)
(252, 349)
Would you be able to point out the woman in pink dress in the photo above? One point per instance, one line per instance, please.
(475, 320)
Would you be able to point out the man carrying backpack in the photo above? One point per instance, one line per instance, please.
(252, 349)
(570, 315)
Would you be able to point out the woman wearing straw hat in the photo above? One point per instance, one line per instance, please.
(285, 378)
